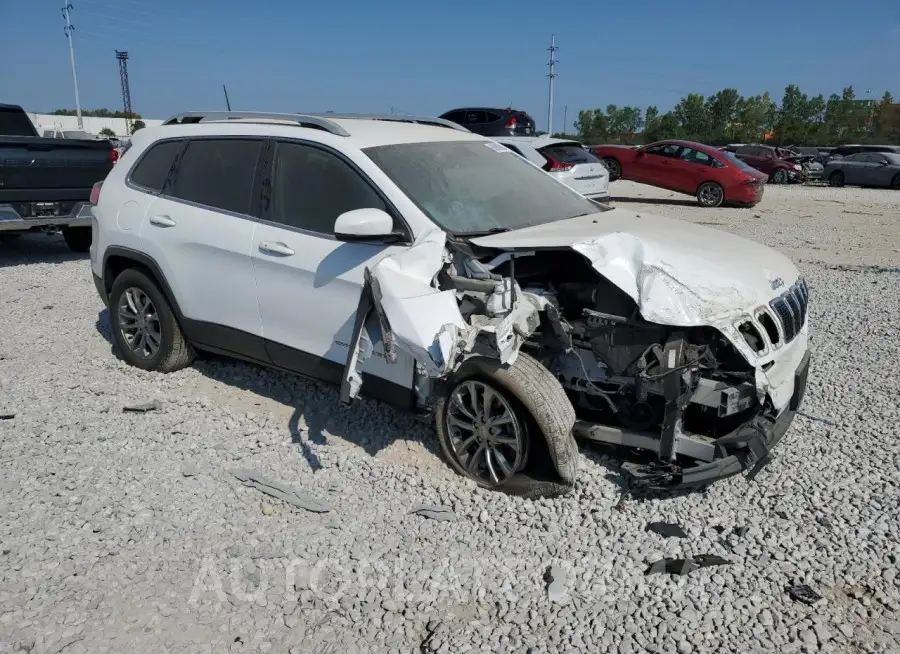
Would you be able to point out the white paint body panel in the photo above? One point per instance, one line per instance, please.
(679, 273)
(308, 301)
(205, 256)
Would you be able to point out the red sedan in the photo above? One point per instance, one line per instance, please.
(714, 176)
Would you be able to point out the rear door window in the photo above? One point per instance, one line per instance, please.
(152, 169)
(218, 173)
(569, 153)
(695, 156)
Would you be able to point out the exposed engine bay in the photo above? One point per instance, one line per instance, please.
(684, 393)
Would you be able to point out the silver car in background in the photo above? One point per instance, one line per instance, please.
(565, 160)
(865, 169)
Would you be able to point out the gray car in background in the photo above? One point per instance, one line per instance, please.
(865, 169)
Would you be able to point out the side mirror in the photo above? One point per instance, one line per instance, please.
(640, 153)
(365, 226)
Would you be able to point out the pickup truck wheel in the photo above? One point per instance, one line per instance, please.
(78, 238)
(144, 328)
(836, 178)
(710, 195)
(490, 418)
(780, 176)
(614, 168)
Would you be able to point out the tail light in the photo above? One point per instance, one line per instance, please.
(95, 193)
(511, 123)
(114, 155)
(554, 166)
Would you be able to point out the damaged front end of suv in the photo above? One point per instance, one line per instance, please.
(639, 346)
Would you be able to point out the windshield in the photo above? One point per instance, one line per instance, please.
(733, 160)
(477, 187)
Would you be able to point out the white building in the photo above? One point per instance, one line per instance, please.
(49, 122)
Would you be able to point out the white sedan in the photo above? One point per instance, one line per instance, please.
(565, 160)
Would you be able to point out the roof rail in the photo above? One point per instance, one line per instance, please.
(397, 118)
(304, 120)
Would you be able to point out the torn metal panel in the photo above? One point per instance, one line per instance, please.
(414, 314)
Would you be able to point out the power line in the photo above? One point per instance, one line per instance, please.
(117, 18)
(130, 8)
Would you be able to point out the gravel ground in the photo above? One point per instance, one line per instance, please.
(126, 532)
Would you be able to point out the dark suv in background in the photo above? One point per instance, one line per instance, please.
(489, 121)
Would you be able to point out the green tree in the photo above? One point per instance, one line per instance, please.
(721, 116)
(755, 117)
(108, 133)
(93, 113)
(887, 120)
(138, 124)
(691, 115)
(592, 126)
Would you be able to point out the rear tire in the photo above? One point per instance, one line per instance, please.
(895, 183)
(168, 350)
(78, 238)
(836, 178)
(614, 168)
(710, 195)
(541, 412)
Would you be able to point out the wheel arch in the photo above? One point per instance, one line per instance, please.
(117, 259)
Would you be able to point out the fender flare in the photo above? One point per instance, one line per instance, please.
(147, 262)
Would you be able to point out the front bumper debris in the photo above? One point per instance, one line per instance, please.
(749, 447)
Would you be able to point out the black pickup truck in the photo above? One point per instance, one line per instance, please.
(45, 183)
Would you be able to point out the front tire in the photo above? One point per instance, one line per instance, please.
(780, 176)
(144, 328)
(710, 195)
(836, 178)
(77, 238)
(508, 427)
(614, 168)
(895, 183)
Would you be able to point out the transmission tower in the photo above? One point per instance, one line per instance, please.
(126, 89)
(552, 76)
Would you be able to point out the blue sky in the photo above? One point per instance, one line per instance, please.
(427, 57)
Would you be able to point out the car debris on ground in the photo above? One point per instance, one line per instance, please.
(684, 566)
(804, 594)
(434, 512)
(144, 407)
(666, 529)
(281, 491)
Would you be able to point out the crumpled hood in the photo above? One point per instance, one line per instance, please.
(678, 273)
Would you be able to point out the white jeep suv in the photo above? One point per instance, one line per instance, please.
(415, 262)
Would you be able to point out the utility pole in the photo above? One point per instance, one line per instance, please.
(227, 102)
(552, 76)
(565, 119)
(67, 30)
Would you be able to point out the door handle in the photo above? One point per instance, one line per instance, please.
(162, 221)
(278, 248)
